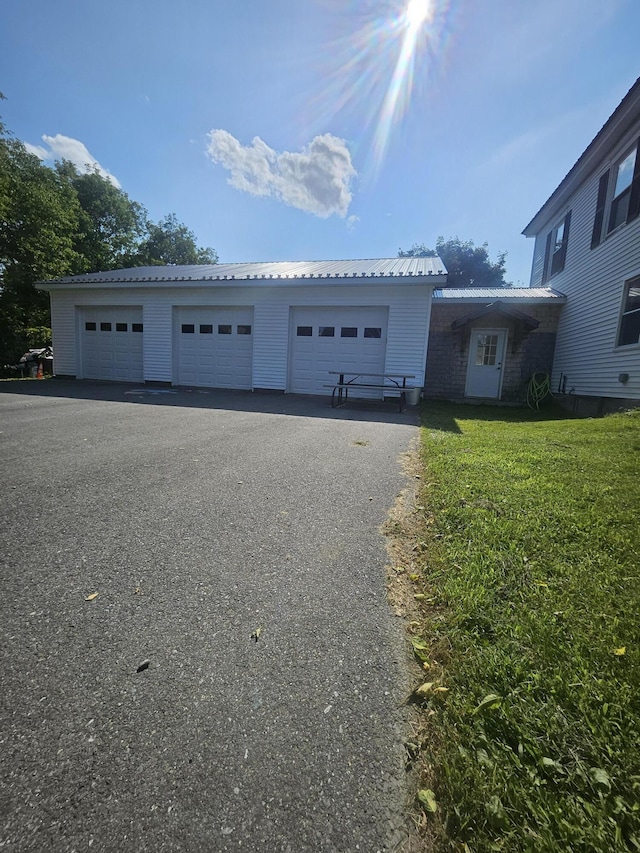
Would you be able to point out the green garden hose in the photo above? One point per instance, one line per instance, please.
(538, 389)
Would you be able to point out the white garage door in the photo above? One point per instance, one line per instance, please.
(215, 347)
(111, 343)
(342, 339)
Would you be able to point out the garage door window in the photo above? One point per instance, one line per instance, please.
(105, 327)
(327, 331)
(370, 332)
(90, 327)
(304, 331)
(224, 329)
(121, 327)
(188, 329)
(244, 330)
(349, 332)
(136, 327)
(206, 329)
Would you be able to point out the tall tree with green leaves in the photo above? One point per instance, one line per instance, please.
(58, 221)
(468, 265)
(39, 218)
(111, 225)
(171, 242)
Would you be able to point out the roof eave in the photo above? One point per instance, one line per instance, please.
(618, 123)
(357, 280)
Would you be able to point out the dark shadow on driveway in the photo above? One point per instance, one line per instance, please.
(298, 405)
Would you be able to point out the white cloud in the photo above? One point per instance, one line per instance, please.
(352, 221)
(66, 148)
(316, 180)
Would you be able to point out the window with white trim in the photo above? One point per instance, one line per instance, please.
(630, 322)
(618, 199)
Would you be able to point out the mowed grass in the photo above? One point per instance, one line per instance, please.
(531, 544)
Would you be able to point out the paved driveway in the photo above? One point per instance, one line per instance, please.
(197, 518)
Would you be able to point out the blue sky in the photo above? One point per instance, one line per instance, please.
(282, 130)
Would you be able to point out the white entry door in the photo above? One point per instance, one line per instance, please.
(486, 358)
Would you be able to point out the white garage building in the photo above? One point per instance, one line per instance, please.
(280, 326)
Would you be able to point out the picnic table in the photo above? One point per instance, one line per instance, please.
(391, 383)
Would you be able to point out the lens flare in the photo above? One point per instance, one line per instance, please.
(376, 60)
(417, 12)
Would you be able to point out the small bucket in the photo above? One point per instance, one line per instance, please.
(413, 396)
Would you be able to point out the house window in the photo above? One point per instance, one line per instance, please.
(90, 327)
(618, 195)
(630, 322)
(326, 331)
(622, 191)
(224, 329)
(349, 332)
(555, 252)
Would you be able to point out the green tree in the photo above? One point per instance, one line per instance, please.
(56, 222)
(468, 265)
(39, 216)
(111, 225)
(171, 242)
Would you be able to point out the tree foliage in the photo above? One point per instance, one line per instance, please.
(111, 226)
(170, 242)
(56, 222)
(468, 265)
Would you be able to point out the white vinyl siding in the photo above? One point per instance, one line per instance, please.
(408, 307)
(63, 325)
(593, 280)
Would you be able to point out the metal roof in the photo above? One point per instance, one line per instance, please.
(508, 294)
(373, 268)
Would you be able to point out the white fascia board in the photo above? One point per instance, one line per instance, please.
(180, 284)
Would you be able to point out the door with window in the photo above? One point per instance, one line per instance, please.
(329, 338)
(214, 347)
(486, 359)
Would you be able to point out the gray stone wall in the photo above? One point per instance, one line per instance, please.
(448, 351)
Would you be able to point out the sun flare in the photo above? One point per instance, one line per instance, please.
(417, 12)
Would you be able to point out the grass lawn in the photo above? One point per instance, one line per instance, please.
(530, 567)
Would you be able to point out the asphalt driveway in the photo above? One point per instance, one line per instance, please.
(197, 518)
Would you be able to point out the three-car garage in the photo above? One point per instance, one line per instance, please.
(273, 326)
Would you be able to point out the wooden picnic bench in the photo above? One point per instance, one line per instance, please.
(391, 384)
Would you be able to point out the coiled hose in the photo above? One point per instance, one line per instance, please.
(538, 389)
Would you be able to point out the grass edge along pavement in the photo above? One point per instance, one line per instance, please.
(525, 565)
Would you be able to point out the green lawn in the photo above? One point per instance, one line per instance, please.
(530, 538)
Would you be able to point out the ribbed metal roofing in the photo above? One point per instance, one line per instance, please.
(375, 268)
(502, 293)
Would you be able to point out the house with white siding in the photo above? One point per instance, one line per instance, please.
(587, 246)
(278, 326)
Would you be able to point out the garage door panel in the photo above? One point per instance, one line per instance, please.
(109, 347)
(325, 339)
(218, 353)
